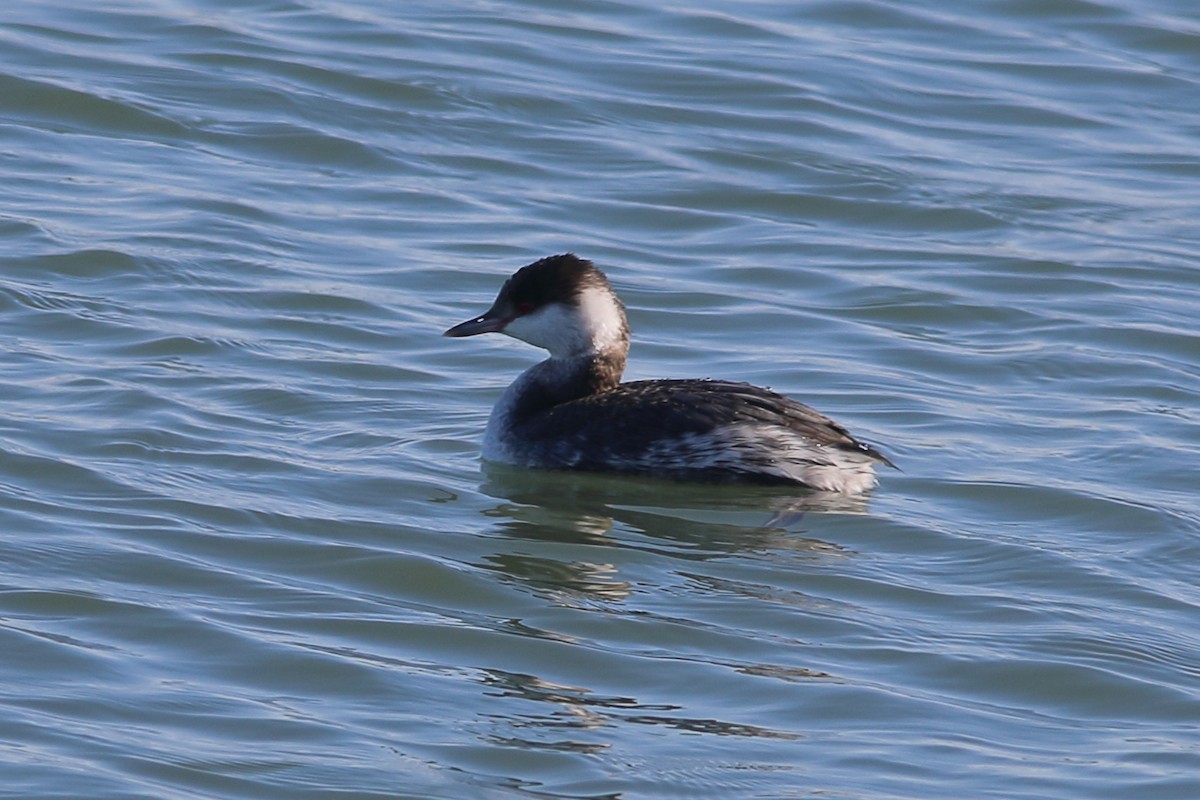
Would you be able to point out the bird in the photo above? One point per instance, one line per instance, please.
(572, 412)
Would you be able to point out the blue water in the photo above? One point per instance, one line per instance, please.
(248, 550)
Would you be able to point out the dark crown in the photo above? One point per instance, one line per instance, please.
(559, 278)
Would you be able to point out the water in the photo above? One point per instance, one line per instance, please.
(247, 549)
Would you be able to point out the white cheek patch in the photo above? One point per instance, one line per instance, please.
(552, 327)
(593, 326)
(602, 317)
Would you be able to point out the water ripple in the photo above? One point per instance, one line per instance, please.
(249, 550)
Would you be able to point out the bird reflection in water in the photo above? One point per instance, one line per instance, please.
(688, 521)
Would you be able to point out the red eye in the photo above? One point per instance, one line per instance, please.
(524, 308)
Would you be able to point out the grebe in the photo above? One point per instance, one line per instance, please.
(572, 412)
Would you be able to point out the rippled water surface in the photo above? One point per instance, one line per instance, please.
(247, 547)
